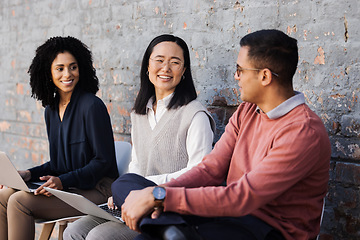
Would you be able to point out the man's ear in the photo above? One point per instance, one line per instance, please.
(266, 77)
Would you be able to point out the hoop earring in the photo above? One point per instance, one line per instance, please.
(183, 77)
(147, 73)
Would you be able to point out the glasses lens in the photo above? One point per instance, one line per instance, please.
(173, 64)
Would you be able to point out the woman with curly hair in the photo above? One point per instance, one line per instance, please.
(81, 143)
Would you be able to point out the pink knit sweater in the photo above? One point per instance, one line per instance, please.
(276, 170)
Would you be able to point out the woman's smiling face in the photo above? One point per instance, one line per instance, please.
(65, 73)
(166, 67)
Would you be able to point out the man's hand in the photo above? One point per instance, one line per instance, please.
(138, 204)
(157, 212)
(51, 182)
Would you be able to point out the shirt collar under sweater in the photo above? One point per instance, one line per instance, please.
(286, 106)
(161, 108)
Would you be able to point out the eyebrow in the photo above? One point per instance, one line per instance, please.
(170, 58)
(61, 64)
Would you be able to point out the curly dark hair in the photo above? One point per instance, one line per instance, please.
(184, 92)
(42, 87)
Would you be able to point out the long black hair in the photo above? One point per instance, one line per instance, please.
(184, 92)
(42, 87)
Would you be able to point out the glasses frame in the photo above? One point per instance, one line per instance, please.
(239, 69)
(168, 62)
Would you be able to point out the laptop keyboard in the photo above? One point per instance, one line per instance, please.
(34, 185)
(115, 212)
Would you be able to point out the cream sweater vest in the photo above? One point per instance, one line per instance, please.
(163, 149)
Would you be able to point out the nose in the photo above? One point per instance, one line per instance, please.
(67, 72)
(236, 76)
(166, 66)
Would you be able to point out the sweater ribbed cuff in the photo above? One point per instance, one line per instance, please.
(173, 199)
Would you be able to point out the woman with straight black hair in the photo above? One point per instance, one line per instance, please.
(184, 92)
(81, 143)
(171, 132)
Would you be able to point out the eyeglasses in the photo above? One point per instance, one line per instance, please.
(174, 64)
(240, 69)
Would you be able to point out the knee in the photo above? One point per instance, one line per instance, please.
(18, 196)
(72, 233)
(81, 227)
(122, 186)
(128, 177)
(111, 230)
(4, 196)
(93, 235)
(20, 200)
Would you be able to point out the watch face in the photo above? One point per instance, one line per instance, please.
(159, 193)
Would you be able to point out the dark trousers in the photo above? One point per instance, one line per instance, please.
(230, 228)
(124, 184)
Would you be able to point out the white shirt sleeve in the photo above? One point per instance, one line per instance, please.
(134, 163)
(199, 142)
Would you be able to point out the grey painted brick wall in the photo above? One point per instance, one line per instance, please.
(118, 32)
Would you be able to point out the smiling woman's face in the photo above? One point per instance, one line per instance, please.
(65, 73)
(166, 67)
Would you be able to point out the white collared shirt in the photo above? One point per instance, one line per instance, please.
(154, 117)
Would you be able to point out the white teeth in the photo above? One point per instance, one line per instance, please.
(165, 77)
(67, 82)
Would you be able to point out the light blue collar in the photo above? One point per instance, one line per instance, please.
(286, 106)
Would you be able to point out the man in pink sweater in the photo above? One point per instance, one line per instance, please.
(274, 157)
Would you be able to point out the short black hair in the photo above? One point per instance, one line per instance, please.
(42, 87)
(274, 50)
(184, 92)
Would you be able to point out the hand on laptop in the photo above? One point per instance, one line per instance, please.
(111, 204)
(51, 182)
(26, 175)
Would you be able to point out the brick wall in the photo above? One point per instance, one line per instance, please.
(118, 32)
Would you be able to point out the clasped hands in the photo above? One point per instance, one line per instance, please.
(137, 205)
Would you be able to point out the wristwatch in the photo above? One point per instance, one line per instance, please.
(159, 194)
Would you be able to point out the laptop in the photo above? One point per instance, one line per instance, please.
(86, 206)
(10, 177)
